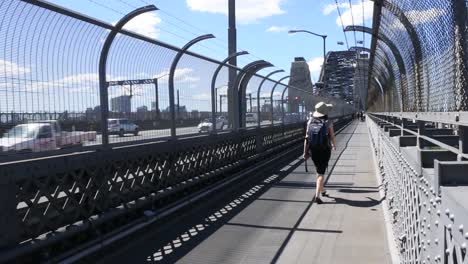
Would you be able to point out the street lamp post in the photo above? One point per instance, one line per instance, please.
(324, 37)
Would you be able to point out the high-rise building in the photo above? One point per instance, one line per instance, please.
(121, 104)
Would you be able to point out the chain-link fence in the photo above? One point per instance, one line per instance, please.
(68, 80)
(424, 42)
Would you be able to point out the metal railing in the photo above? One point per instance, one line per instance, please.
(423, 165)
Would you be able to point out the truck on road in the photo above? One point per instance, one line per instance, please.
(42, 136)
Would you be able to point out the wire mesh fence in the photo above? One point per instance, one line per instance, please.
(429, 37)
(58, 93)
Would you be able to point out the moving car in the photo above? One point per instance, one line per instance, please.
(122, 126)
(42, 136)
(251, 117)
(207, 125)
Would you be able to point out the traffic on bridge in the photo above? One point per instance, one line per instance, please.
(133, 131)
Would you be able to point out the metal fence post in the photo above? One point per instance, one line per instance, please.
(282, 103)
(213, 88)
(240, 87)
(258, 94)
(103, 85)
(463, 140)
(271, 96)
(421, 131)
(156, 95)
(171, 78)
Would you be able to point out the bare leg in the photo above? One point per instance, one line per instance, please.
(319, 187)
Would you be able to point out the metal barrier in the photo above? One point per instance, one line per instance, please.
(418, 56)
(107, 86)
(57, 203)
(425, 186)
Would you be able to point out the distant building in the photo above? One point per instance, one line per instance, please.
(142, 109)
(360, 82)
(121, 104)
(299, 77)
(339, 74)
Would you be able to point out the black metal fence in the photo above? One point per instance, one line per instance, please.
(105, 85)
(419, 56)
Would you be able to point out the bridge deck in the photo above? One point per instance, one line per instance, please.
(276, 221)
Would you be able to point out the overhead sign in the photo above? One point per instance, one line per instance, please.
(131, 82)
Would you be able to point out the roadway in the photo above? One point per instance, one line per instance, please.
(159, 133)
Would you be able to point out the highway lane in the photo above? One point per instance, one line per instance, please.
(158, 133)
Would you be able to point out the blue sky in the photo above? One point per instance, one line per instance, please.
(261, 26)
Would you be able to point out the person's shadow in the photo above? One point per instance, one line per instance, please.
(364, 204)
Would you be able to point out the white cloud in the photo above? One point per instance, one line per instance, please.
(202, 97)
(8, 68)
(348, 13)
(357, 13)
(277, 29)
(247, 11)
(315, 66)
(183, 75)
(330, 8)
(145, 24)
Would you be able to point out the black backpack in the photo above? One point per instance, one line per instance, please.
(317, 133)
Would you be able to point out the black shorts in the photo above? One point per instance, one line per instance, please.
(320, 157)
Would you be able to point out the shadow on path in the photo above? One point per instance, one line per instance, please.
(355, 203)
(173, 240)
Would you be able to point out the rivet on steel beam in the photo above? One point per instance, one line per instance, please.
(436, 223)
(460, 228)
(466, 235)
(447, 212)
(436, 241)
(447, 251)
(463, 245)
(438, 212)
(449, 227)
(452, 217)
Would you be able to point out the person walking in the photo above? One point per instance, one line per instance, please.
(319, 141)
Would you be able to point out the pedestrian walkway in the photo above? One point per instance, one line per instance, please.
(281, 224)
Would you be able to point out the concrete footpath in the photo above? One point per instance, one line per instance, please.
(275, 221)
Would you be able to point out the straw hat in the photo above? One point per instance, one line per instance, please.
(322, 109)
